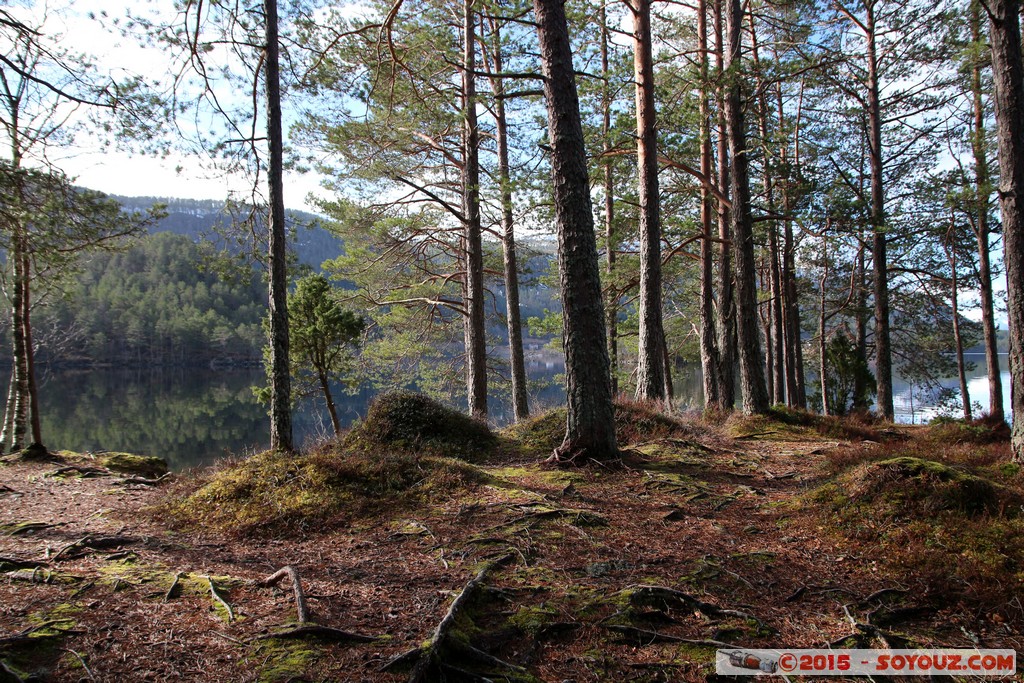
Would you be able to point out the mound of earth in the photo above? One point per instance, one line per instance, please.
(414, 422)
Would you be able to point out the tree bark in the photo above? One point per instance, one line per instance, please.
(860, 388)
(708, 347)
(796, 391)
(965, 396)
(280, 375)
(20, 369)
(775, 365)
(726, 303)
(752, 383)
(982, 229)
(1008, 76)
(475, 332)
(826, 409)
(8, 426)
(650, 375)
(766, 312)
(611, 240)
(325, 386)
(590, 415)
(879, 260)
(30, 371)
(520, 403)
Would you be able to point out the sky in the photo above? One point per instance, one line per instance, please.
(178, 174)
(119, 171)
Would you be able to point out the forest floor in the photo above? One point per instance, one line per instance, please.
(789, 531)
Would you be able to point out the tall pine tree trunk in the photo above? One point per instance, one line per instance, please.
(475, 332)
(860, 384)
(965, 396)
(726, 302)
(982, 191)
(708, 347)
(8, 426)
(30, 371)
(611, 240)
(775, 365)
(520, 404)
(826, 408)
(879, 260)
(650, 376)
(1008, 76)
(20, 369)
(752, 383)
(590, 415)
(280, 373)
(796, 392)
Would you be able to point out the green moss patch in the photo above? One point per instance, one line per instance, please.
(279, 493)
(129, 463)
(413, 422)
(283, 660)
(907, 485)
(948, 525)
(540, 434)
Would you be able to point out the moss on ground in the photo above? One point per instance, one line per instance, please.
(634, 423)
(279, 493)
(791, 424)
(907, 485)
(283, 660)
(130, 463)
(952, 526)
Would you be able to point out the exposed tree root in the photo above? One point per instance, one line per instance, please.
(300, 597)
(16, 528)
(32, 634)
(796, 595)
(143, 481)
(90, 542)
(174, 587)
(12, 563)
(81, 660)
(640, 636)
(9, 675)
(444, 649)
(325, 632)
(670, 597)
(305, 627)
(217, 596)
(540, 511)
(865, 633)
(564, 457)
(82, 471)
(39, 574)
(882, 592)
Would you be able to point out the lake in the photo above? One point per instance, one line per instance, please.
(194, 416)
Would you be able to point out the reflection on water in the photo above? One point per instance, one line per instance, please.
(915, 404)
(189, 416)
(193, 416)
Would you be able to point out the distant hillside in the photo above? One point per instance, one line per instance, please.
(1002, 343)
(203, 218)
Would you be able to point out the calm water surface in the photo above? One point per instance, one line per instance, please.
(193, 416)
